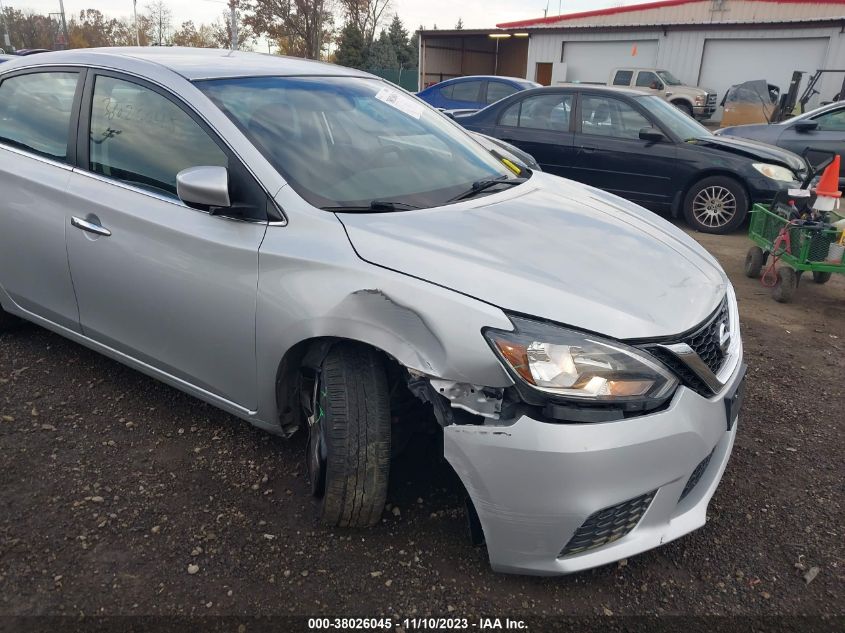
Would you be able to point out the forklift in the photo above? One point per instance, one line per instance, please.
(790, 100)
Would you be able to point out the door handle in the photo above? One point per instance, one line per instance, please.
(90, 227)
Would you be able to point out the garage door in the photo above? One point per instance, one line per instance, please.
(593, 61)
(729, 62)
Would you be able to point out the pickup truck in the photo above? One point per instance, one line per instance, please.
(696, 102)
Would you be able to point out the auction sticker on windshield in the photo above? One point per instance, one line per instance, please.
(400, 102)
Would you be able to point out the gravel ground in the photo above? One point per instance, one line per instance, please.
(120, 495)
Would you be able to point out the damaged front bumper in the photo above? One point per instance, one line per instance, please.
(559, 498)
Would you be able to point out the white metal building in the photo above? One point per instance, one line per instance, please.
(710, 43)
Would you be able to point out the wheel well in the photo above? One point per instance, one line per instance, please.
(681, 101)
(307, 355)
(678, 211)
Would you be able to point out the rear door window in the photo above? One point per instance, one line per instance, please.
(497, 90)
(623, 77)
(35, 112)
(540, 112)
(465, 91)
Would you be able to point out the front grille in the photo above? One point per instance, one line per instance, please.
(696, 475)
(711, 99)
(705, 340)
(608, 525)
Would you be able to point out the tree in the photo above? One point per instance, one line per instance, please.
(382, 54)
(160, 21)
(189, 34)
(91, 29)
(351, 48)
(302, 24)
(414, 48)
(460, 25)
(367, 15)
(398, 35)
(28, 29)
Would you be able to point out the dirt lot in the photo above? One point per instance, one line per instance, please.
(114, 487)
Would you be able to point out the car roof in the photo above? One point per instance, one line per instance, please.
(477, 77)
(589, 87)
(197, 63)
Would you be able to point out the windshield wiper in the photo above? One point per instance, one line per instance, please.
(377, 206)
(480, 185)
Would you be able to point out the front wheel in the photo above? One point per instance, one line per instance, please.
(349, 437)
(683, 107)
(716, 204)
(754, 259)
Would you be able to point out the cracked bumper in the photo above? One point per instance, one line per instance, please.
(534, 483)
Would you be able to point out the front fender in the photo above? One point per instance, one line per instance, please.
(312, 284)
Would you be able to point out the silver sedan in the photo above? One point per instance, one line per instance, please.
(312, 249)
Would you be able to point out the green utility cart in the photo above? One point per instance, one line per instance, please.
(793, 248)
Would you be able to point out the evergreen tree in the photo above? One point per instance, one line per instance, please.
(382, 54)
(414, 49)
(398, 36)
(351, 48)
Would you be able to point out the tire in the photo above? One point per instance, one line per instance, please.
(683, 107)
(754, 259)
(349, 442)
(787, 283)
(820, 277)
(716, 204)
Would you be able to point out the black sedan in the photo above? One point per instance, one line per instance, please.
(821, 129)
(643, 149)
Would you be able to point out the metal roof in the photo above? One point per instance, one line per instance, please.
(701, 12)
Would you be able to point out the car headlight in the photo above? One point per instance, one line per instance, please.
(699, 99)
(775, 172)
(580, 366)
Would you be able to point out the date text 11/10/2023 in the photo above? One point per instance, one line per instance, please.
(417, 624)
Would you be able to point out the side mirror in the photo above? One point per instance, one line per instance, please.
(204, 187)
(652, 135)
(805, 126)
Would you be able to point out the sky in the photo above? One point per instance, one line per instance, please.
(443, 13)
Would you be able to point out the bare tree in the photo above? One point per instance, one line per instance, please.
(160, 21)
(367, 15)
(304, 24)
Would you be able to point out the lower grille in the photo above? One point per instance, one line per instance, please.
(608, 525)
(696, 475)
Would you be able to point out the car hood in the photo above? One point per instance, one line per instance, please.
(554, 249)
(756, 150)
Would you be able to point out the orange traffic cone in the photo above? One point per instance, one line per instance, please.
(827, 191)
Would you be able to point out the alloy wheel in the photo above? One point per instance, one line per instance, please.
(714, 206)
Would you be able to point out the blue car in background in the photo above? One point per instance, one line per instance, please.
(473, 93)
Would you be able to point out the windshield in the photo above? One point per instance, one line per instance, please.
(669, 78)
(683, 126)
(347, 141)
